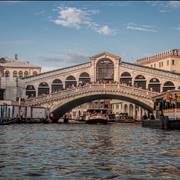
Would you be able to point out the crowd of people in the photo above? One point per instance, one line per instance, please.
(86, 83)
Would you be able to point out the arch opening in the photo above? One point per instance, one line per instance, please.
(70, 82)
(126, 78)
(35, 73)
(140, 82)
(105, 70)
(20, 74)
(30, 91)
(131, 109)
(56, 85)
(7, 74)
(43, 88)
(154, 85)
(14, 73)
(168, 85)
(84, 78)
(26, 73)
(59, 111)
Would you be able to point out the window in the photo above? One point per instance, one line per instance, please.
(117, 106)
(167, 62)
(159, 64)
(105, 70)
(26, 73)
(34, 73)
(173, 61)
(14, 73)
(154, 65)
(20, 74)
(6, 73)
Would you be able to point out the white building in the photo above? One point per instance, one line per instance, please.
(11, 72)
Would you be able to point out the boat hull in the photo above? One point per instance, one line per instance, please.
(96, 121)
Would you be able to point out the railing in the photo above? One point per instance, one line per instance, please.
(95, 87)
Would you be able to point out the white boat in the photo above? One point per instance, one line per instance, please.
(97, 116)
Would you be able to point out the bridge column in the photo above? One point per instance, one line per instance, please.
(161, 87)
(36, 88)
(139, 113)
(134, 111)
(126, 108)
(50, 88)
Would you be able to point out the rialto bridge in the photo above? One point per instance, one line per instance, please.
(104, 76)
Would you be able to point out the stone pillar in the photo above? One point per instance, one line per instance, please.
(139, 114)
(116, 71)
(134, 111)
(161, 87)
(50, 88)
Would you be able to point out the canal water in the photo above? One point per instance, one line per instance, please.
(80, 151)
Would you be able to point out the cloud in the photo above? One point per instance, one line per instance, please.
(39, 13)
(72, 17)
(104, 30)
(155, 3)
(178, 28)
(65, 60)
(145, 28)
(163, 11)
(164, 4)
(173, 4)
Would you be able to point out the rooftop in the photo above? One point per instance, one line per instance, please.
(19, 63)
(159, 56)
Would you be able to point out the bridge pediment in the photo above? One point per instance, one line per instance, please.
(107, 55)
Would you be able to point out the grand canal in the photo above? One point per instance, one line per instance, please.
(80, 151)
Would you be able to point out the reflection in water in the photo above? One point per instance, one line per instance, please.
(118, 151)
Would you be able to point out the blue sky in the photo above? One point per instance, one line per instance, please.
(59, 34)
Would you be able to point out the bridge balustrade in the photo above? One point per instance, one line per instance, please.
(94, 87)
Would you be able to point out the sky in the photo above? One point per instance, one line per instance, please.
(55, 34)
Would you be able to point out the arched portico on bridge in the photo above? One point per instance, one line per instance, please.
(59, 110)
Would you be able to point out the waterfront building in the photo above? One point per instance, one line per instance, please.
(11, 72)
(22, 79)
(168, 60)
(14, 67)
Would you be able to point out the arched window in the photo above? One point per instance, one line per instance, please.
(131, 108)
(26, 73)
(84, 78)
(56, 85)
(14, 73)
(20, 74)
(126, 78)
(168, 85)
(35, 73)
(70, 82)
(6, 73)
(154, 85)
(105, 70)
(30, 91)
(140, 82)
(43, 88)
(125, 108)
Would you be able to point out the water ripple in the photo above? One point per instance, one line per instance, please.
(118, 151)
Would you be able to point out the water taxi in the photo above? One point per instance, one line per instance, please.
(166, 111)
(97, 116)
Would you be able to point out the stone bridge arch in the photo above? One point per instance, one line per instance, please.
(59, 110)
(60, 102)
